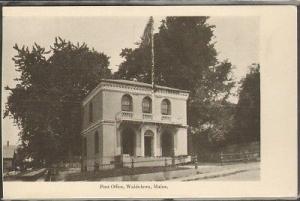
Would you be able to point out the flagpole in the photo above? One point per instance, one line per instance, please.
(152, 55)
(152, 70)
(153, 78)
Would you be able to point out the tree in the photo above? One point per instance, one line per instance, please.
(45, 103)
(185, 58)
(247, 117)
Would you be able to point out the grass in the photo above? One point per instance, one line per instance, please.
(95, 176)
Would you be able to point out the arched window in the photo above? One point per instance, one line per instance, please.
(166, 107)
(96, 142)
(126, 103)
(147, 105)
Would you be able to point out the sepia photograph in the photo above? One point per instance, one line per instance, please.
(132, 98)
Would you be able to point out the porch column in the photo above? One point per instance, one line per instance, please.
(154, 143)
(118, 143)
(138, 144)
(142, 143)
(158, 143)
(175, 143)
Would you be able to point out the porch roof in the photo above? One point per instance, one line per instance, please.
(152, 122)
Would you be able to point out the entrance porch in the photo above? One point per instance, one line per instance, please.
(148, 140)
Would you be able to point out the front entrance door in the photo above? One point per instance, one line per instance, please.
(148, 146)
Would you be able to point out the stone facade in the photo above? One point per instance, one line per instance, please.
(128, 118)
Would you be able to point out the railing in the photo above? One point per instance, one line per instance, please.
(132, 162)
(166, 118)
(147, 116)
(126, 115)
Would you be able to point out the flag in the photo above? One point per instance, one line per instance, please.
(147, 36)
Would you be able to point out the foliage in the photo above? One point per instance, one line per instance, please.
(185, 58)
(247, 117)
(222, 124)
(45, 103)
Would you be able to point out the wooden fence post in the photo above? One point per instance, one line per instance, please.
(173, 161)
(221, 158)
(132, 166)
(196, 162)
(132, 163)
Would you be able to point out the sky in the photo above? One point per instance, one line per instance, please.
(237, 39)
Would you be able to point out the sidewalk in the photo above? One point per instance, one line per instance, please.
(208, 171)
(157, 176)
(215, 172)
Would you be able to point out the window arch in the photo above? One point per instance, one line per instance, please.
(126, 103)
(147, 105)
(166, 107)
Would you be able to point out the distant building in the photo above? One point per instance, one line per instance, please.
(9, 157)
(124, 121)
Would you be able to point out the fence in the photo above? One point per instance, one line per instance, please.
(231, 153)
(70, 164)
(239, 157)
(136, 162)
(221, 157)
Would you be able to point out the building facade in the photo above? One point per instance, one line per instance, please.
(9, 157)
(129, 120)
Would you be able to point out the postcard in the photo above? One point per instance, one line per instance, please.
(149, 102)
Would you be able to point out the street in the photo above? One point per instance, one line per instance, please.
(250, 175)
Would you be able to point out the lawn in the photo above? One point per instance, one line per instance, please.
(95, 176)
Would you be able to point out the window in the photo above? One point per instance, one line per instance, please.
(91, 112)
(147, 105)
(96, 142)
(166, 107)
(127, 103)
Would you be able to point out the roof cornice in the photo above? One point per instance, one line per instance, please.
(108, 84)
